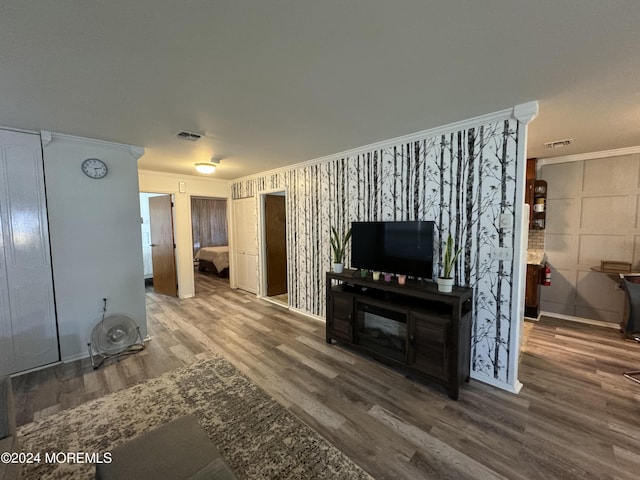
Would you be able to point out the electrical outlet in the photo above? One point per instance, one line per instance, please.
(501, 253)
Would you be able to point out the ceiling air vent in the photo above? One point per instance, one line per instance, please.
(190, 136)
(559, 143)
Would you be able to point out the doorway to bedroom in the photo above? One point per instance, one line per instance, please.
(274, 246)
(209, 233)
(158, 243)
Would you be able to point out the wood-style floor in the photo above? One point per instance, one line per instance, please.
(576, 417)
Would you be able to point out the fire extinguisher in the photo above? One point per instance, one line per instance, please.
(545, 275)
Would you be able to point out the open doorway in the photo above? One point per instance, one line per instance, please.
(209, 233)
(158, 243)
(274, 246)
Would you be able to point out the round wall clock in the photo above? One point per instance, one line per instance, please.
(94, 168)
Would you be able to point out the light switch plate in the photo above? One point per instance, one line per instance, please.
(506, 220)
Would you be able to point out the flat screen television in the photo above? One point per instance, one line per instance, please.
(404, 247)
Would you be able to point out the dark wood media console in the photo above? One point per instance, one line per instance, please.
(412, 326)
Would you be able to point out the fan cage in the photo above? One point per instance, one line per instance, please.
(113, 336)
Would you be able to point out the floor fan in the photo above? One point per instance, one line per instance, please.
(113, 336)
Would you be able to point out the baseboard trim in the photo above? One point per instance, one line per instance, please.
(35, 369)
(83, 355)
(307, 314)
(514, 387)
(588, 321)
(275, 302)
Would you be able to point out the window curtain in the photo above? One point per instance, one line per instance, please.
(208, 222)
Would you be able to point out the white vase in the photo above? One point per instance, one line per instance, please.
(338, 267)
(445, 285)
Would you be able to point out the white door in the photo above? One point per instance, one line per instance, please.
(28, 333)
(245, 221)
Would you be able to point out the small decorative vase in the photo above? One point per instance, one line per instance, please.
(376, 276)
(387, 277)
(338, 267)
(445, 285)
(402, 279)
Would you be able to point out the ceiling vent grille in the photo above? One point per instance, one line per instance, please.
(559, 143)
(190, 136)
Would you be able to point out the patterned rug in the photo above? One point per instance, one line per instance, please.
(258, 437)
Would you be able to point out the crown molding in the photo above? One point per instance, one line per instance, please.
(134, 150)
(184, 175)
(521, 109)
(617, 152)
(19, 130)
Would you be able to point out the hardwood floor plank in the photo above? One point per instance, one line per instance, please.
(322, 347)
(301, 357)
(451, 461)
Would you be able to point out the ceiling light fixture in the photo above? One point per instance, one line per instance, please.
(206, 168)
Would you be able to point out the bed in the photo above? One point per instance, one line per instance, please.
(215, 259)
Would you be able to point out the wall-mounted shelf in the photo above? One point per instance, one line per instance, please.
(537, 200)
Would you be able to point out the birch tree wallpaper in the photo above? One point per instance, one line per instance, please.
(463, 180)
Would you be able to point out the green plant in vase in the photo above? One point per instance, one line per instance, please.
(338, 246)
(445, 280)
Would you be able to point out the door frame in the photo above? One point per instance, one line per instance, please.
(262, 243)
(173, 219)
(150, 194)
(229, 235)
(234, 246)
(165, 279)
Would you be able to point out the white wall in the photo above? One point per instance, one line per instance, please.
(593, 214)
(156, 182)
(95, 237)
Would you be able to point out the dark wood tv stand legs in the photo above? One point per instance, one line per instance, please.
(411, 326)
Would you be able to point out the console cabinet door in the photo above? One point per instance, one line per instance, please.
(340, 316)
(429, 349)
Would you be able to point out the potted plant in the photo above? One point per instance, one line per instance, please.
(338, 245)
(445, 280)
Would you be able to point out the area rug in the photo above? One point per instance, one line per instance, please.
(258, 437)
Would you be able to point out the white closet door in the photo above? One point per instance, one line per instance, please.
(28, 333)
(246, 244)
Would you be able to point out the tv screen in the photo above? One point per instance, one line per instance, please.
(394, 247)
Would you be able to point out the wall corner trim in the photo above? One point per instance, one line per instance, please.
(526, 112)
(45, 137)
(136, 152)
